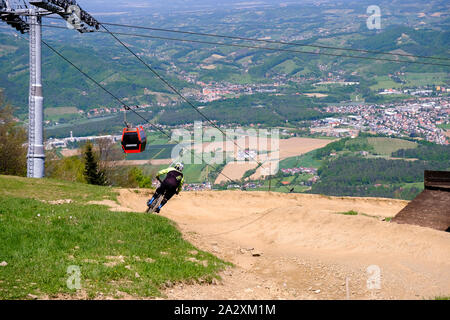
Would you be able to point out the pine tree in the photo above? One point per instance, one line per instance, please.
(91, 171)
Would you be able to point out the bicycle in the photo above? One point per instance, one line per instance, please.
(156, 203)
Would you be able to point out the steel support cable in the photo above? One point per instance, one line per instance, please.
(267, 41)
(263, 48)
(275, 49)
(102, 87)
(193, 106)
(280, 49)
(198, 41)
(175, 90)
(119, 100)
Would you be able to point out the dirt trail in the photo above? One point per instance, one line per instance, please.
(296, 246)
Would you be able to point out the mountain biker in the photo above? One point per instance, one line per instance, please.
(172, 184)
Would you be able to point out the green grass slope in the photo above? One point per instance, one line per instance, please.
(116, 252)
(386, 146)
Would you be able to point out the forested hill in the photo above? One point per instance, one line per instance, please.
(351, 174)
(424, 42)
(327, 23)
(65, 86)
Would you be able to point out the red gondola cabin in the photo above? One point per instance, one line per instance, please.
(134, 140)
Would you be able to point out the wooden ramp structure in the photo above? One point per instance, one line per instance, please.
(431, 208)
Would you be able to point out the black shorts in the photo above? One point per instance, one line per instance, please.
(168, 187)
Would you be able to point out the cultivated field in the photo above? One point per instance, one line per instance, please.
(385, 146)
(60, 111)
(235, 171)
(287, 148)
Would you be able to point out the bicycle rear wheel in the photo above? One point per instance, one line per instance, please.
(152, 208)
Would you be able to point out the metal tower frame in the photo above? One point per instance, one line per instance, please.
(27, 19)
(36, 153)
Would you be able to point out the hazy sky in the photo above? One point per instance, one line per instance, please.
(122, 4)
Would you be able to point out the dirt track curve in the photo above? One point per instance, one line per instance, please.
(295, 246)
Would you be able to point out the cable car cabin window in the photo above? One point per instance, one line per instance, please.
(134, 140)
(143, 137)
(131, 141)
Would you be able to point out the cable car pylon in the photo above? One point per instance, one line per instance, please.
(25, 17)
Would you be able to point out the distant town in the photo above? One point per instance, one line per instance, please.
(405, 119)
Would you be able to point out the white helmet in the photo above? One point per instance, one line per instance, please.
(179, 166)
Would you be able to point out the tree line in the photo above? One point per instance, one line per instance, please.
(428, 151)
(266, 109)
(358, 176)
(348, 144)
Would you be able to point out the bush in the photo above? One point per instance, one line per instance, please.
(141, 181)
(13, 138)
(70, 169)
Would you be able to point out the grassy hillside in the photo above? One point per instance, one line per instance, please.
(386, 146)
(305, 160)
(117, 252)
